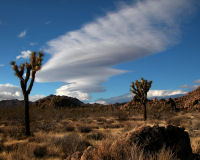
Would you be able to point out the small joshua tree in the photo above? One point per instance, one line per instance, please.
(140, 89)
(31, 69)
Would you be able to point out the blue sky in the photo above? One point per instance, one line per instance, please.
(94, 49)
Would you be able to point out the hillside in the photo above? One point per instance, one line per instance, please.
(58, 101)
(11, 103)
(190, 100)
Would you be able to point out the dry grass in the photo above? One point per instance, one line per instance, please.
(58, 133)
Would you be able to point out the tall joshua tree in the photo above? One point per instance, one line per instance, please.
(29, 69)
(140, 89)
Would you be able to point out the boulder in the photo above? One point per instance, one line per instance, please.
(152, 139)
(143, 142)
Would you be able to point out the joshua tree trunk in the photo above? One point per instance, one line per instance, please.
(145, 112)
(27, 120)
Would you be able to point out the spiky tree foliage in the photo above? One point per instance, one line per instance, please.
(25, 72)
(140, 89)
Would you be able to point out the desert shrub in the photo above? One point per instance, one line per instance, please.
(13, 131)
(113, 126)
(195, 125)
(156, 115)
(176, 121)
(101, 119)
(69, 128)
(122, 116)
(103, 151)
(71, 143)
(110, 121)
(40, 151)
(19, 152)
(96, 136)
(84, 129)
(45, 126)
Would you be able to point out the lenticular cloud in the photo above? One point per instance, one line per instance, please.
(84, 58)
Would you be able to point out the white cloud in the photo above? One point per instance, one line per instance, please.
(24, 54)
(118, 99)
(84, 58)
(2, 65)
(22, 34)
(151, 94)
(66, 90)
(36, 97)
(9, 91)
(165, 93)
(33, 43)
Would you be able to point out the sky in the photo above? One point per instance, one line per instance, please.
(95, 49)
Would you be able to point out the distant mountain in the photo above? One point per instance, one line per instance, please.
(58, 101)
(190, 100)
(11, 103)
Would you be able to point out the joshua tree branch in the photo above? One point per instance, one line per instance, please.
(32, 81)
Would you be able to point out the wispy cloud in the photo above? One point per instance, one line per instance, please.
(2, 65)
(191, 87)
(22, 34)
(165, 93)
(24, 54)
(185, 86)
(151, 94)
(48, 22)
(197, 81)
(84, 58)
(33, 43)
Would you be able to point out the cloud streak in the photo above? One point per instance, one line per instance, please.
(22, 34)
(84, 58)
(151, 94)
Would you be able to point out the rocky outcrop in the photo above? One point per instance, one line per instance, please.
(190, 100)
(152, 139)
(145, 141)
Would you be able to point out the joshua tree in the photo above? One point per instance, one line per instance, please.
(31, 69)
(140, 89)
